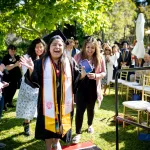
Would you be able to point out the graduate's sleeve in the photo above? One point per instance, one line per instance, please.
(35, 79)
(76, 75)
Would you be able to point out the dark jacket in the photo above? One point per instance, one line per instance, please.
(14, 74)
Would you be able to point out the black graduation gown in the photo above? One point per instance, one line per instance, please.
(36, 81)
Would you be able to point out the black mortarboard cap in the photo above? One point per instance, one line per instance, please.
(56, 32)
(124, 42)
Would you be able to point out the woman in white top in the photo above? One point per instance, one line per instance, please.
(28, 96)
(109, 61)
(116, 55)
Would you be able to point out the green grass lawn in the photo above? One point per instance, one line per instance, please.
(11, 131)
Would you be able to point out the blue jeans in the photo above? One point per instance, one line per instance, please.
(1, 105)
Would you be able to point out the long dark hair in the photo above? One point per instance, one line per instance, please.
(31, 49)
(62, 58)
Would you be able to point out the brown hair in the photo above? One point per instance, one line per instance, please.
(96, 56)
(115, 46)
(108, 48)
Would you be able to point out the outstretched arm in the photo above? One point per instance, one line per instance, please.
(28, 63)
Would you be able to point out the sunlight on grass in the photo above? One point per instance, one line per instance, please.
(11, 130)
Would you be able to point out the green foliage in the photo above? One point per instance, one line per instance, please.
(36, 18)
(147, 16)
(122, 18)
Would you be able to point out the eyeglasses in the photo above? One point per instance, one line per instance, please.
(107, 49)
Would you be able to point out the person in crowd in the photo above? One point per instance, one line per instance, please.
(125, 55)
(142, 63)
(76, 44)
(28, 96)
(115, 56)
(100, 43)
(148, 49)
(118, 44)
(89, 89)
(139, 62)
(70, 49)
(138, 74)
(13, 77)
(105, 45)
(57, 78)
(2, 85)
(146, 60)
(109, 61)
(75, 48)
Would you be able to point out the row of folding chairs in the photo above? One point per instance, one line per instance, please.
(140, 86)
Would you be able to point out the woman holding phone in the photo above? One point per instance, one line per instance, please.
(90, 88)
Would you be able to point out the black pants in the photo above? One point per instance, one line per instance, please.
(114, 71)
(81, 105)
(9, 92)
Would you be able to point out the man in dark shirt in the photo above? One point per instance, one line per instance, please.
(11, 61)
(125, 55)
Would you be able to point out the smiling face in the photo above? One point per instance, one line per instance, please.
(39, 49)
(90, 49)
(146, 58)
(56, 49)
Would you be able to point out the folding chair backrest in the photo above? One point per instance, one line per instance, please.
(139, 77)
(146, 87)
(124, 75)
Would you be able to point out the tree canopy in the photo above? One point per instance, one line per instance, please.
(31, 18)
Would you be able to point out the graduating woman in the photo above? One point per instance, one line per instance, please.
(57, 78)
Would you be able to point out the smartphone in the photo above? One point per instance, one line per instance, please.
(88, 68)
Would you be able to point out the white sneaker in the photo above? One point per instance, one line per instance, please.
(57, 146)
(90, 129)
(76, 139)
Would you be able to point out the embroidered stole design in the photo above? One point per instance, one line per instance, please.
(50, 106)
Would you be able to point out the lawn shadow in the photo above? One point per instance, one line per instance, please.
(127, 138)
(11, 123)
(12, 144)
(108, 103)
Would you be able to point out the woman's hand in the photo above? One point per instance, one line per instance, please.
(91, 75)
(17, 64)
(2, 67)
(5, 84)
(28, 63)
